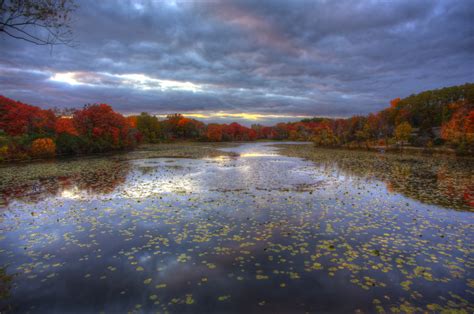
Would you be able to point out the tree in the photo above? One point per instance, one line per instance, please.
(189, 128)
(363, 135)
(17, 118)
(43, 147)
(149, 127)
(40, 22)
(65, 125)
(132, 121)
(281, 131)
(459, 131)
(268, 132)
(403, 131)
(67, 144)
(324, 136)
(251, 134)
(214, 132)
(104, 128)
(394, 102)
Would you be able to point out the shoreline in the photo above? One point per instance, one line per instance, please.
(158, 148)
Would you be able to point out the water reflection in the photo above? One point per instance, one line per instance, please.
(67, 179)
(263, 233)
(5, 288)
(441, 180)
(446, 182)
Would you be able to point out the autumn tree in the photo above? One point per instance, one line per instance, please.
(268, 132)
(132, 121)
(68, 141)
(43, 147)
(251, 134)
(403, 131)
(40, 22)
(394, 102)
(17, 118)
(214, 132)
(65, 125)
(189, 128)
(363, 135)
(104, 128)
(459, 131)
(324, 136)
(281, 131)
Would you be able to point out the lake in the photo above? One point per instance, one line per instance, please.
(249, 228)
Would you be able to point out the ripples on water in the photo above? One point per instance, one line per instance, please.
(259, 232)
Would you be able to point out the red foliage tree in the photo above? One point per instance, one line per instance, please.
(214, 132)
(459, 130)
(17, 118)
(65, 125)
(252, 134)
(101, 121)
(268, 132)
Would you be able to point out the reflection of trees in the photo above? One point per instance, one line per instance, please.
(430, 181)
(461, 184)
(5, 287)
(441, 180)
(147, 170)
(97, 178)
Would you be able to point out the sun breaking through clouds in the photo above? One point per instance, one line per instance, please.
(134, 81)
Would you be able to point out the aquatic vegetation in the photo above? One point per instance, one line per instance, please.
(442, 180)
(263, 231)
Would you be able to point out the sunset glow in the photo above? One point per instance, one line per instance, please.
(246, 60)
(134, 81)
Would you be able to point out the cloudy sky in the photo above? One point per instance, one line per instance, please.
(248, 61)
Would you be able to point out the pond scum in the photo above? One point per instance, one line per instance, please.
(240, 229)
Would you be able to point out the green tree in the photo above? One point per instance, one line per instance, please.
(149, 127)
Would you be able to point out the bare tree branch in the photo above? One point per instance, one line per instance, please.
(41, 22)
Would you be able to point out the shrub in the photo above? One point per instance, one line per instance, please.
(43, 147)
(67, 144)
(3, 152)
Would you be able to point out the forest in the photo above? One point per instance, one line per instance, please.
(435, 118)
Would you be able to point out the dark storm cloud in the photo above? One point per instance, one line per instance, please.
(331, 58)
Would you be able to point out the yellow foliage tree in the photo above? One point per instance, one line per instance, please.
(403, 131)
(324, 137)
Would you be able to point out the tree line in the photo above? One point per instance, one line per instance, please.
(431, 118)
(28, 131)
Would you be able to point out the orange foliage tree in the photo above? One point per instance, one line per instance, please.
(43, 147)
(394, 102)
(459, 130)
(132, 121)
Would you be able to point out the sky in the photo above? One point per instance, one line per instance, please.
(246, 61)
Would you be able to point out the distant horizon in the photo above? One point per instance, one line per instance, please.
(221, 117)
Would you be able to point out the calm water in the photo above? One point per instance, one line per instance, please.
(259, 232)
